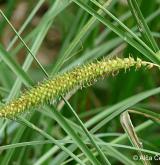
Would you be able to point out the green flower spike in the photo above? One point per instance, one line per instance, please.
(78, 77)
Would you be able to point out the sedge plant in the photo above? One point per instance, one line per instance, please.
(79, 44)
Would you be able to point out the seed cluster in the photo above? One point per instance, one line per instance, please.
(50, 89)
